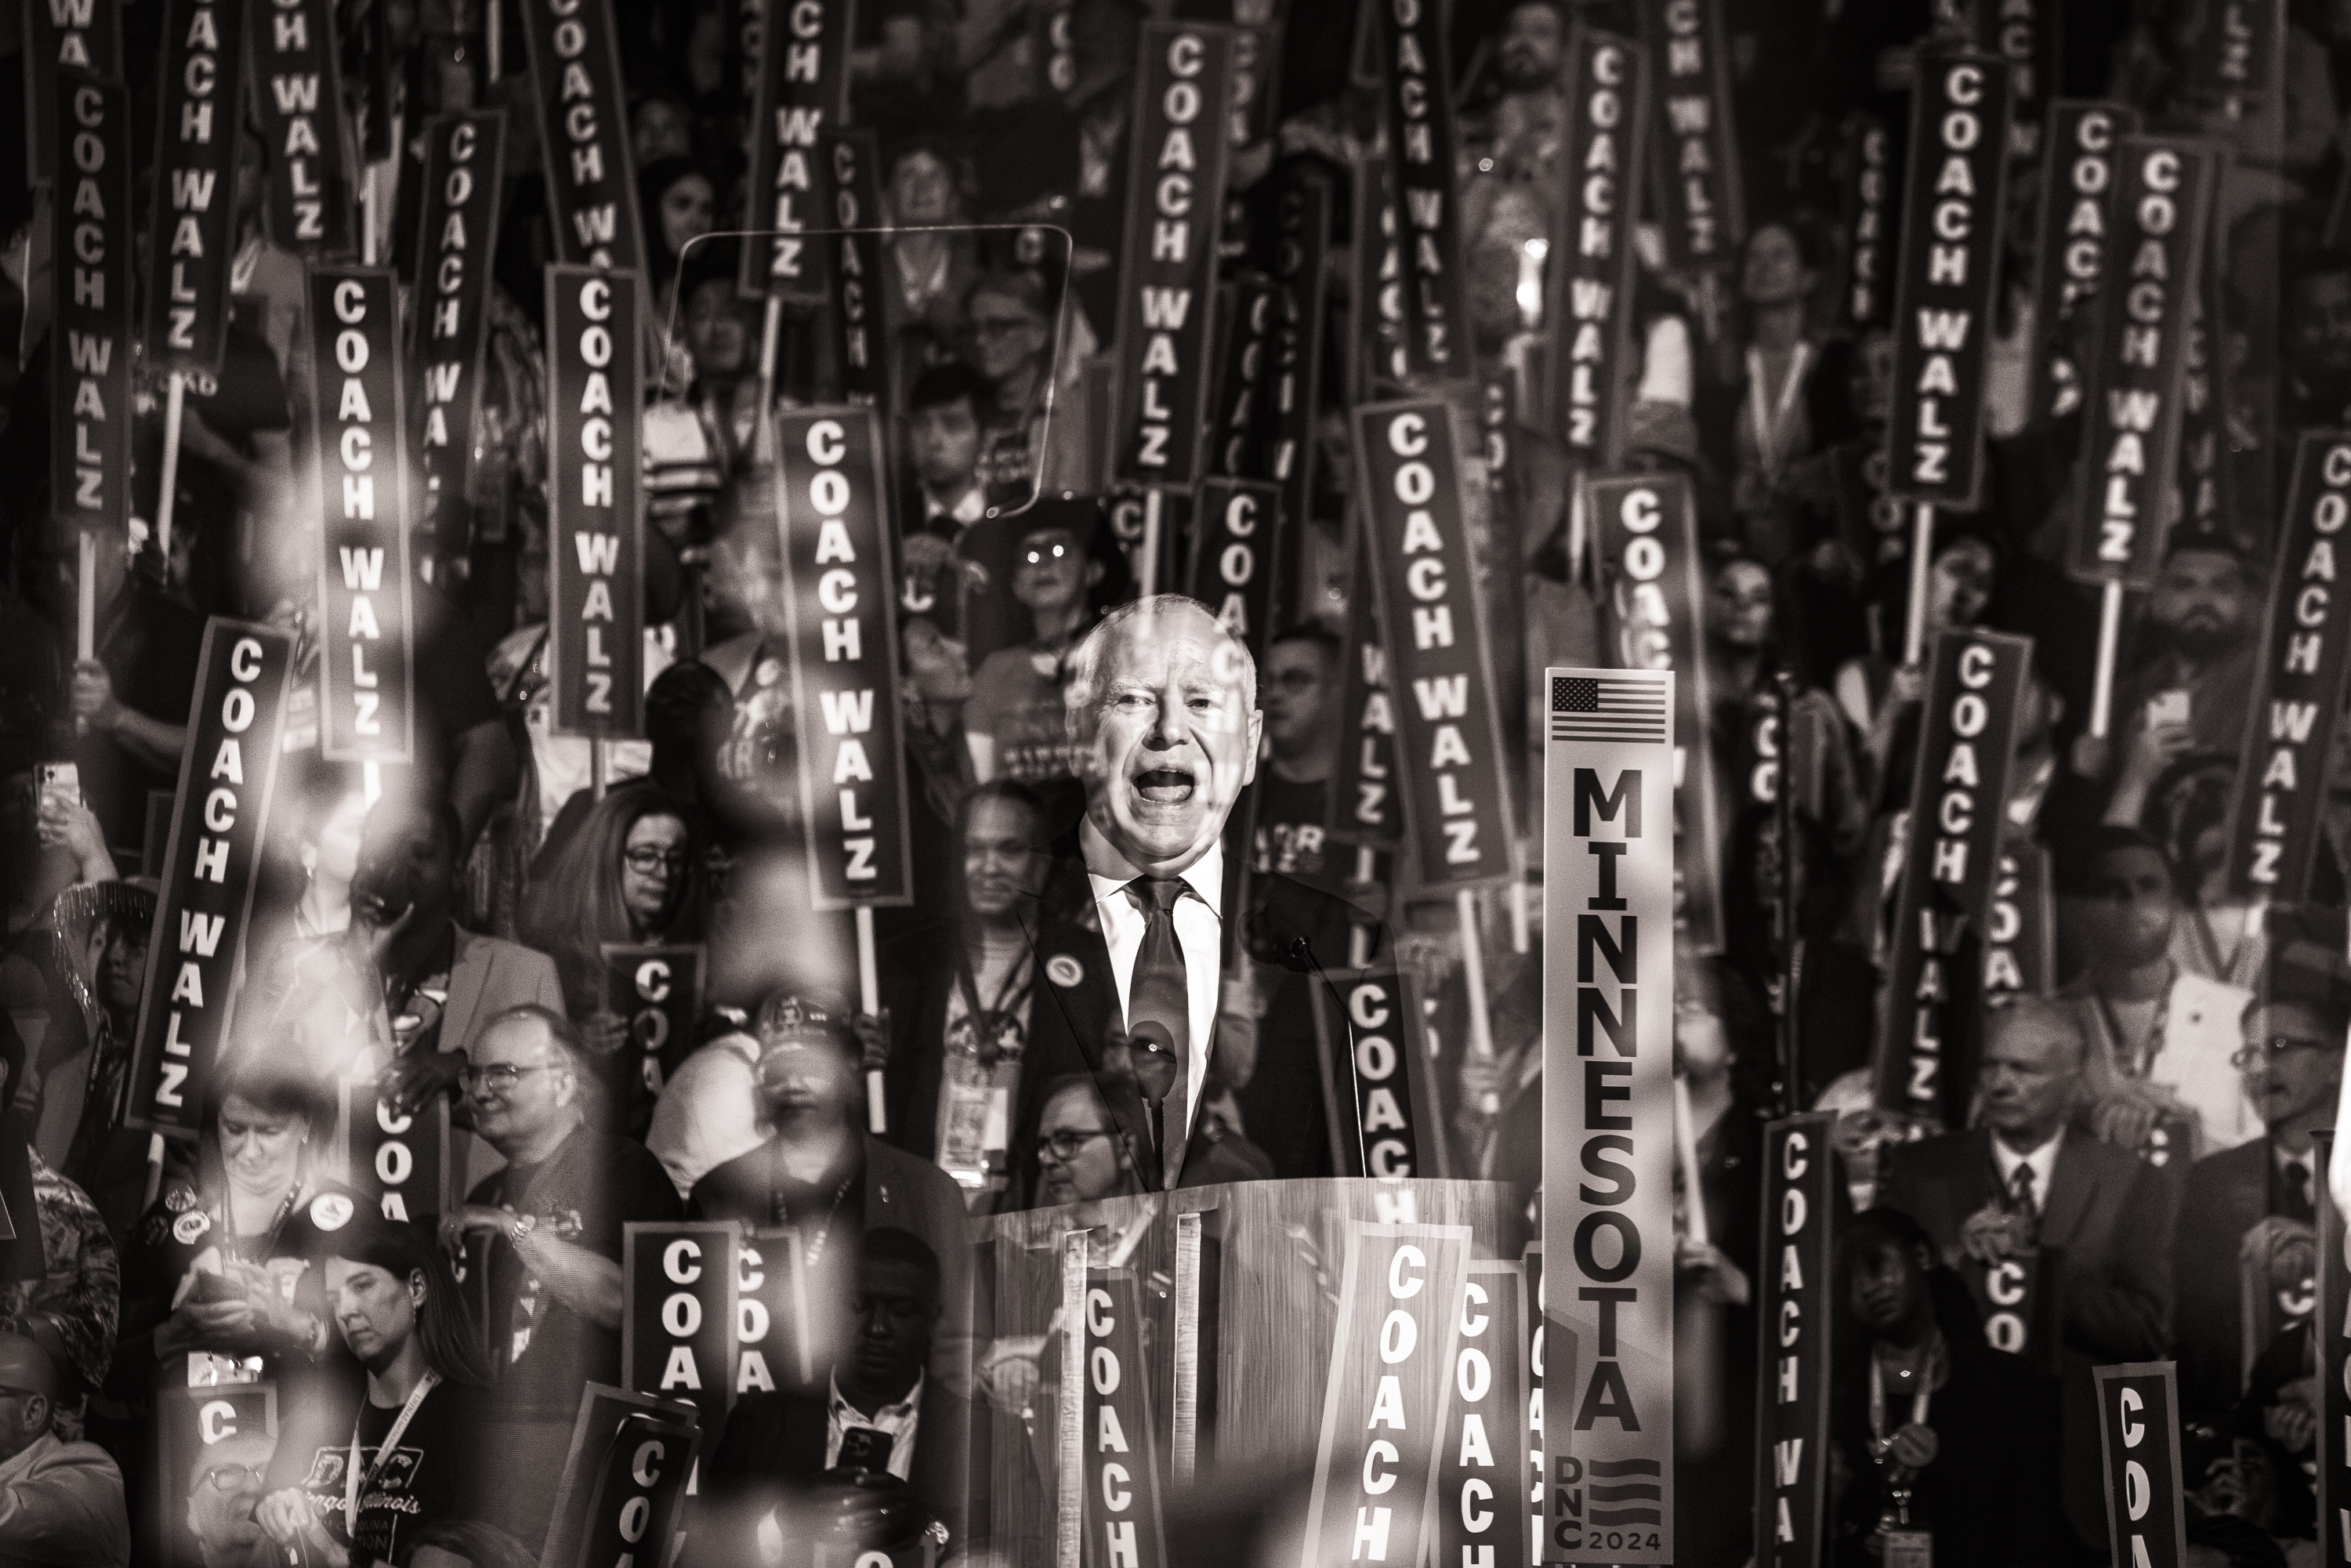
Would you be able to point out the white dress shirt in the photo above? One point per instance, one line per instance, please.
(1200, 930)
(2043, 1161)
(899, 1422)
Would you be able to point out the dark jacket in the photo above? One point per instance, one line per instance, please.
(2101, 1234)
(1991, 1496)
(1286, 1105)
(774, 1446)
(2227, 1194)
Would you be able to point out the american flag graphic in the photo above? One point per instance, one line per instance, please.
(1630, 706)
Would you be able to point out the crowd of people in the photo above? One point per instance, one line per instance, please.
(1093, 994)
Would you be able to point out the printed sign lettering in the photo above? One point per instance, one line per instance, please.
(595, 558)
(90, 337)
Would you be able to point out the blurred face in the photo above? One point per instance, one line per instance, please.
(945, 440)
(335, 851)
(813, 1078)
(937, 663)
(1775, 272)
(687, 211)
(1299, 695)
(1871, 385)
(520, 1086)
(2322, 326)
(1959, 585)
(2135, 906)
(375, 1310)
(1003, 858)
(1077, 1152)
(895, 1314)
(1701, 1044)
(1889, 1284)
(225, 1484)
(1169, 737)
(652, 867)
(1529, 54)
(262, 1150)
(1050, 571)
(1005, 335)
(661, 131)
(715, 331)
(2204, 601)
(923, 191)
(1742, 605)
(2291, 1062)
(2031, 1071)
(405, 862)
(123, 970)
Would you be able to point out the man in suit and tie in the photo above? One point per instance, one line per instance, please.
(2292, 1061)
(2022, 1184)
(1132, 936)
(880, 1418)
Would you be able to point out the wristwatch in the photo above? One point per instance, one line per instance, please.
(524, 1223)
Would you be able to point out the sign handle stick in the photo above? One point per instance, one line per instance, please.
(1183, 1450)
(2102, 689)
(1147, 570)
(869, 1001)
(771, 333)
(1069, 1435)
(596, 766)
(1685, 1152)
(1922, 561)
(1791, 1079)
(1520, 935)
(491, 42)
(1473, 977)
(175, 406)
(372, 781)
(1359, 936)
(154, 1188)
(86, 598)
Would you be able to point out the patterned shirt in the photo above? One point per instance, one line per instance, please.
(81, 1292)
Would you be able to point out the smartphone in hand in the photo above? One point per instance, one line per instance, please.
(59, 788)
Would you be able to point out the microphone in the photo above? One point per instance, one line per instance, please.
(1299, 959)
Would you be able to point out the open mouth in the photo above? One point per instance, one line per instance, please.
(1165, 786)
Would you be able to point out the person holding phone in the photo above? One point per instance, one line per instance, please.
(412, 1458)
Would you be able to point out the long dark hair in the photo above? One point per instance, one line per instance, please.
(444, 1326)
(576, 906)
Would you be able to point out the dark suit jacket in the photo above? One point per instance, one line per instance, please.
(774, 1445)
(2227, 1194)
(2102, 1229)
(1069, 1024)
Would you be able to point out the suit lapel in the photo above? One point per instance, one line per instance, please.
(1075, 964)
(469, 976)
(2072, 1183)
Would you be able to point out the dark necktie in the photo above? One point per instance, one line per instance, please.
(1162, 994)
(2300, 1203)
(2020, 1192)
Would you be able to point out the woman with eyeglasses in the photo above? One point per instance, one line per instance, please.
(1023, 453)
(631, 874)
(223, 1277)
(412, 1458)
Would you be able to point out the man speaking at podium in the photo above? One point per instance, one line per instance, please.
(1161, 702)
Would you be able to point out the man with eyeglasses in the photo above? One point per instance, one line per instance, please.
(2291, 1066)
(1301, 698)
(1013, 722)
(542, 1244)
(226, 1484)
(61, 1504)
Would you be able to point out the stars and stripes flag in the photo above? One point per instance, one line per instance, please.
(1631, 705)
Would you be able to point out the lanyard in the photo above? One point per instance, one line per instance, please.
(1020, 974)
(2137, 1061)
(1877, 1398)
(1767, 429)
(355, 1485)
(234, 1244)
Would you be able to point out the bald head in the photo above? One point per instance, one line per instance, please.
(26, 1366)
(1163, 726)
